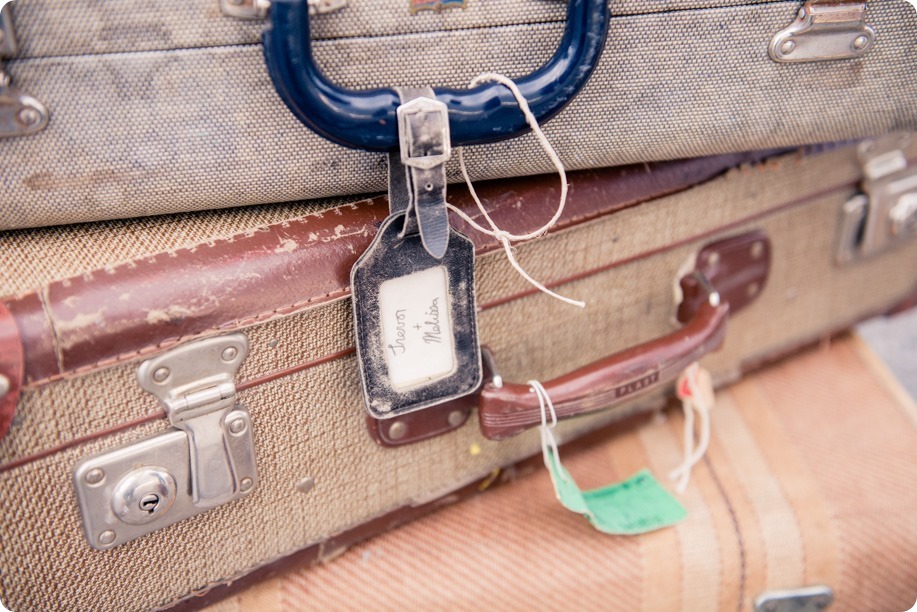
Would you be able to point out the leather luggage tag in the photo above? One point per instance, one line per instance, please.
(415, 321)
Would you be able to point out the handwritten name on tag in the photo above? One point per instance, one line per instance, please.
(416, 328)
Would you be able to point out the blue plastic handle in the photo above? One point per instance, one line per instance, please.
(365, 119)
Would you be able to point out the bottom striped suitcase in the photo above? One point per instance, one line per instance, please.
(807, 492)
(184, 403)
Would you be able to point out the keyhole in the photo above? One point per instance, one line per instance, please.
(149, 503)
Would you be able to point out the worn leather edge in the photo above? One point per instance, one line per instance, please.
(11, 368)
(143, 307)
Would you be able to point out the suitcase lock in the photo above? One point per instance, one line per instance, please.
(884, 215)
(205, 461)
(20, 113)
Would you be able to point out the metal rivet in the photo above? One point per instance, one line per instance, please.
(28, 116)
(230, 353)
(713, 258)
(4, 385)
(757, 250)
(752, 289)
(305, 485)
(398, 430)
(246, 484)
(787, 47)
(106, 537)
(860, 42)
(95, 476)
(801, 14)
(456, 418)
(161, 375)
(237, 426)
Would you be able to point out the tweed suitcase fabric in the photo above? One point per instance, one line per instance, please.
(160, 117)
(809, 480)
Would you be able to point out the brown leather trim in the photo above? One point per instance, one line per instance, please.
(737, 267)
(432, 422)
(40, 354)
(143, 307)
(11, 368)
(907, 302)
(328, 549)
(672, 245)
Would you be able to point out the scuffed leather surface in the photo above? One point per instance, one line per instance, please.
(139, 308)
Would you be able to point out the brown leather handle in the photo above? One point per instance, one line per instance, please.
(510, 409)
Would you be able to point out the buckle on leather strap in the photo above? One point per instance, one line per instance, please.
(423, 129)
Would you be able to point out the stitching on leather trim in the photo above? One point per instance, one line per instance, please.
(236, 324)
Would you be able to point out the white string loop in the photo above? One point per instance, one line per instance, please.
(547, 434)
(504, 236)
(691, 402)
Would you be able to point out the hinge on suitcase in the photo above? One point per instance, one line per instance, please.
(20, 113)
(259, 9)
(824, 30)
(884, 215)
(207, 460)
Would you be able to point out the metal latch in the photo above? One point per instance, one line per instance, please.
(824, 31)
(259, 9)
(806, 599)
(20, 113)
(884, 215)
(206, 461)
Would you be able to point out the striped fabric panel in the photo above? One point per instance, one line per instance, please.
(809, 480)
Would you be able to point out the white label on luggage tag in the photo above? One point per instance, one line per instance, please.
(417, 328)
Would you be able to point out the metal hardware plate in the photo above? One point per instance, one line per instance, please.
(259, 9)
(423, 128)
(97, 478)
(245, 9)
(807, 599)
(8, 44)
(830, 31)
(20, 113)
(885, 214)
(206, 461)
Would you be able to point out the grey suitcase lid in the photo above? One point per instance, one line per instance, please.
(49, 28)
(172, 109)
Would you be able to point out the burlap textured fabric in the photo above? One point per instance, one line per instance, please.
(311, 423)
(201, 127)
(809, 480)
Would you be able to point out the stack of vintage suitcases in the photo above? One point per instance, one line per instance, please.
(222, 351)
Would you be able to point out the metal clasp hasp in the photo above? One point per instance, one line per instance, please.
(207, 460)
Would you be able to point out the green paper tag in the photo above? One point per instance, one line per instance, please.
(637, 505)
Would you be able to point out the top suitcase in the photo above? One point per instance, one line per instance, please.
(153, 109)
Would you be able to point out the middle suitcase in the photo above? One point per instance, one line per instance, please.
(306, 470)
